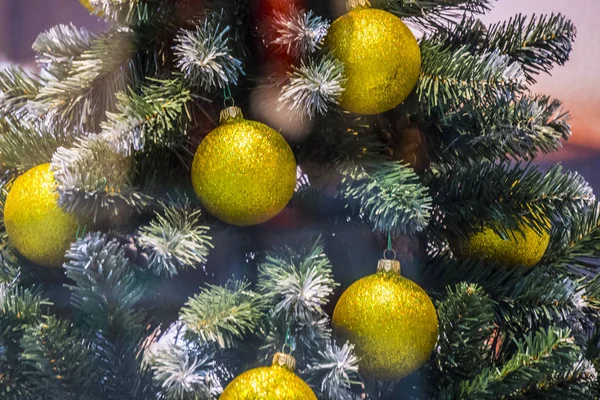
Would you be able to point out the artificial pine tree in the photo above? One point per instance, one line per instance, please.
(157, 298)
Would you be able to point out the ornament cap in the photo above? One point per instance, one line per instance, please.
(352, 4)
(389, 266)
(231, 114)
(284, 360)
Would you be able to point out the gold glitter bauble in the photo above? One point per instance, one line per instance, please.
(244, 172)
(390, 320)
(381, 57)
(38, 228)
(276, 382)
(525, 248)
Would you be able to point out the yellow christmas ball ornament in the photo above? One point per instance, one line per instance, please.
(244, 172)
(36, 225)
(520, 248)
(277, 382)
(390, 320)
(381, 58)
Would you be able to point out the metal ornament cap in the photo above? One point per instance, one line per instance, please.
(284, 360)
(389, 266)
(231, 114)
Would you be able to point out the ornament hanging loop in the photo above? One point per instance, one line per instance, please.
(228, 100)
(389, 254)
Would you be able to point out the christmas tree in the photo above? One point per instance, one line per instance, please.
(275, 199)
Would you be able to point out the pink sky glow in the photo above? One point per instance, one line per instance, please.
(577, 83)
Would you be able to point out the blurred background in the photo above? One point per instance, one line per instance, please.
(577, 83)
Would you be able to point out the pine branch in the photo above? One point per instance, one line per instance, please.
(466, 320)
(333, 370)
(389, 195)
(524, 298)
(150, 117)
(17, 88)
(205, 58)
(58, 362)
(223, 315)
(540, 356)
(509, 127)
(18, 308)
(298, 284)
(84, 96)
(183, 376)
(578, 246)
(433, 13)
(94, 181)
(175, 239)
(313, 87)
(135, 12)
(57, 47)
(452, 78)
(300, 33)
(469, 196)
(28, 142)
(106, 291)
(9, 268)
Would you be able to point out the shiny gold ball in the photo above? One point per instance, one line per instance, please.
(268, 383)
(381, 57)
(244, 172)
(38, 228)
(392, 323)
(525, 248)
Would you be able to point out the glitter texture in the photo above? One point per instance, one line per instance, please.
(36, 225)
(381, 57)
(244, 172)
(525, 250)
(268, 383)
(392, 323)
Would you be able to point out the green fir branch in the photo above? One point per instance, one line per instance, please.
(469, 196)
(58, 362)
(313, 87)
(157, 115)
(94, 181)
(185, 376)
(298, 284)
(389, 195)
(175, 239)
(109, 66)
(17, 88)
(204, 56)
(223, 315)
(540, 356)
(520, 128)
(28, 142)
(299, 32)
(433, 13)
(135, 12)
(466, 324)
(105, 290)
(57, 47)
(333, 371)
(452, 78)
(577, 248)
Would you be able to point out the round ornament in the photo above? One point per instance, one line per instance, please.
(244, 172)
(526, 248)
(36, 225)
(277, 382)
(381, 57)
(390, 320)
